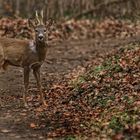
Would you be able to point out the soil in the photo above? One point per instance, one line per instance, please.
(61, 59)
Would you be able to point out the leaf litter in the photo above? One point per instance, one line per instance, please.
(98, 101)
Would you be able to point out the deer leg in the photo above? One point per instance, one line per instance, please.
(1, 59)
(26, 84)
(36, 72)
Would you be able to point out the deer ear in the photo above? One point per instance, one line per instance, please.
(49, 22)
(31, 24)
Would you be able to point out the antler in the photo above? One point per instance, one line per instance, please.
(39, 19)
(42, 16)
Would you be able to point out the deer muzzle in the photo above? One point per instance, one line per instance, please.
(41, 37)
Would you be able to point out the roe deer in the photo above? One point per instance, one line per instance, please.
(28, 54)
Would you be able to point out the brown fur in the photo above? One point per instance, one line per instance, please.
(12, 52)
(18, 53)
(28, 54)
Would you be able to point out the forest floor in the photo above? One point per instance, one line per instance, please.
(17, 122)
(82, 102)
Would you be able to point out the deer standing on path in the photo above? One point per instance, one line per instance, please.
(28, 54)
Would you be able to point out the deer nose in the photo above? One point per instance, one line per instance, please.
(40, 36)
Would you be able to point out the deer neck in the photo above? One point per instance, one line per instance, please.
(41, 50)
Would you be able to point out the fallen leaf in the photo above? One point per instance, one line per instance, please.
(33, 125)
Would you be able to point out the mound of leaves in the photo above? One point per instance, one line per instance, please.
(112, 90)
(72, 29)
(83, 29)
(104, 102)
(15, 28)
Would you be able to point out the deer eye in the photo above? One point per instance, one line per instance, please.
(45, 30)
(36, 30)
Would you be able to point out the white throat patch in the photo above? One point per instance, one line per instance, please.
(32, 46)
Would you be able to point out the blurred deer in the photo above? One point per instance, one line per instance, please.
(28, 54)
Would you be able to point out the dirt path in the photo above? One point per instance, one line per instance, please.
(61, 59)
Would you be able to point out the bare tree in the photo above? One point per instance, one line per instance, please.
(70, 8)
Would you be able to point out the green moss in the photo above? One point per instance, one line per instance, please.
(115, 124)
(122, 119)
(70, 138)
